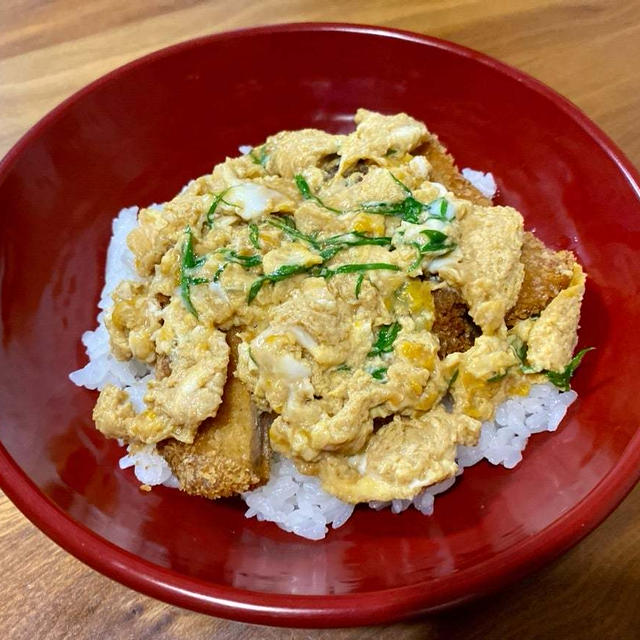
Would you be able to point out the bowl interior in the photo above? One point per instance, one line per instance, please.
(136, 136)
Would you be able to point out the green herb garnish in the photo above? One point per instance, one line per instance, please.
(217, 199)
(245, 261)
(259, 159)
(380, 373)
(343, 367)
(356, 239)
(325, 272)
(288, 227)
(290, 270)
(453, 378)
(281, 273)
(328, 252)
(438, 243)
(439, 210)
(327, 247)
(189, 262)
(307, 194)
(359, 285)
(418, 261)
(385, 339)
(520, 350)
(409, 209)
(402, 185)
(337, 243)
(561, 378)
(219, 271)
(497, 377)
(254, 235)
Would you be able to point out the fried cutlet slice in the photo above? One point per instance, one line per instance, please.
(546, 273)
(452, 323)
(444, 171)
(230, 453)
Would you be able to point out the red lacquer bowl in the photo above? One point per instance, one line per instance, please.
(137, 135)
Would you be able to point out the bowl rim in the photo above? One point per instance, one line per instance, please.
(367, 607)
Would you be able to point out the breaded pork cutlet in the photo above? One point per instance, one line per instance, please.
(452, 324)
(444, 171)
(546, 272)
(230, 453)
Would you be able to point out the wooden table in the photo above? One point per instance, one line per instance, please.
(589, 51)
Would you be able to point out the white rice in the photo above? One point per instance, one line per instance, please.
(149, 466)
(502, 440)
(103, 368)
(293, 501)
(296, 502)
(483, 182)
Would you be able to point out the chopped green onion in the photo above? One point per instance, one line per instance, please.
(334, 244)
(561, 378)
(288, 226)
(418, 261)
(403, 186)
(453, 378)
(327, 247)
(439, 210)
(188, 262)
(356, 268)
(262, 158)
(219, 271)
(306, 193)
(287, 221)
(303, 187)
(437, 244)
(328, 252)
(437, 239)
(254, 235)
(254, 290)
(408, 209)
(385, 339)
(289, 270)
(343, 367)
(245, 261)
(217, 199)
(359, 285)
(380, 373)
(520, 348)
(356, 239)
(326, 272)
(497, 377)
(281, 273)
(189, 259)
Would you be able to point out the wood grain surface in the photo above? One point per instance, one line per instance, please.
(587, 50)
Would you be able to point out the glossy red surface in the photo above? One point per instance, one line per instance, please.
(138, 134)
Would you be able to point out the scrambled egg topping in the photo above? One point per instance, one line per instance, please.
(327, 255)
